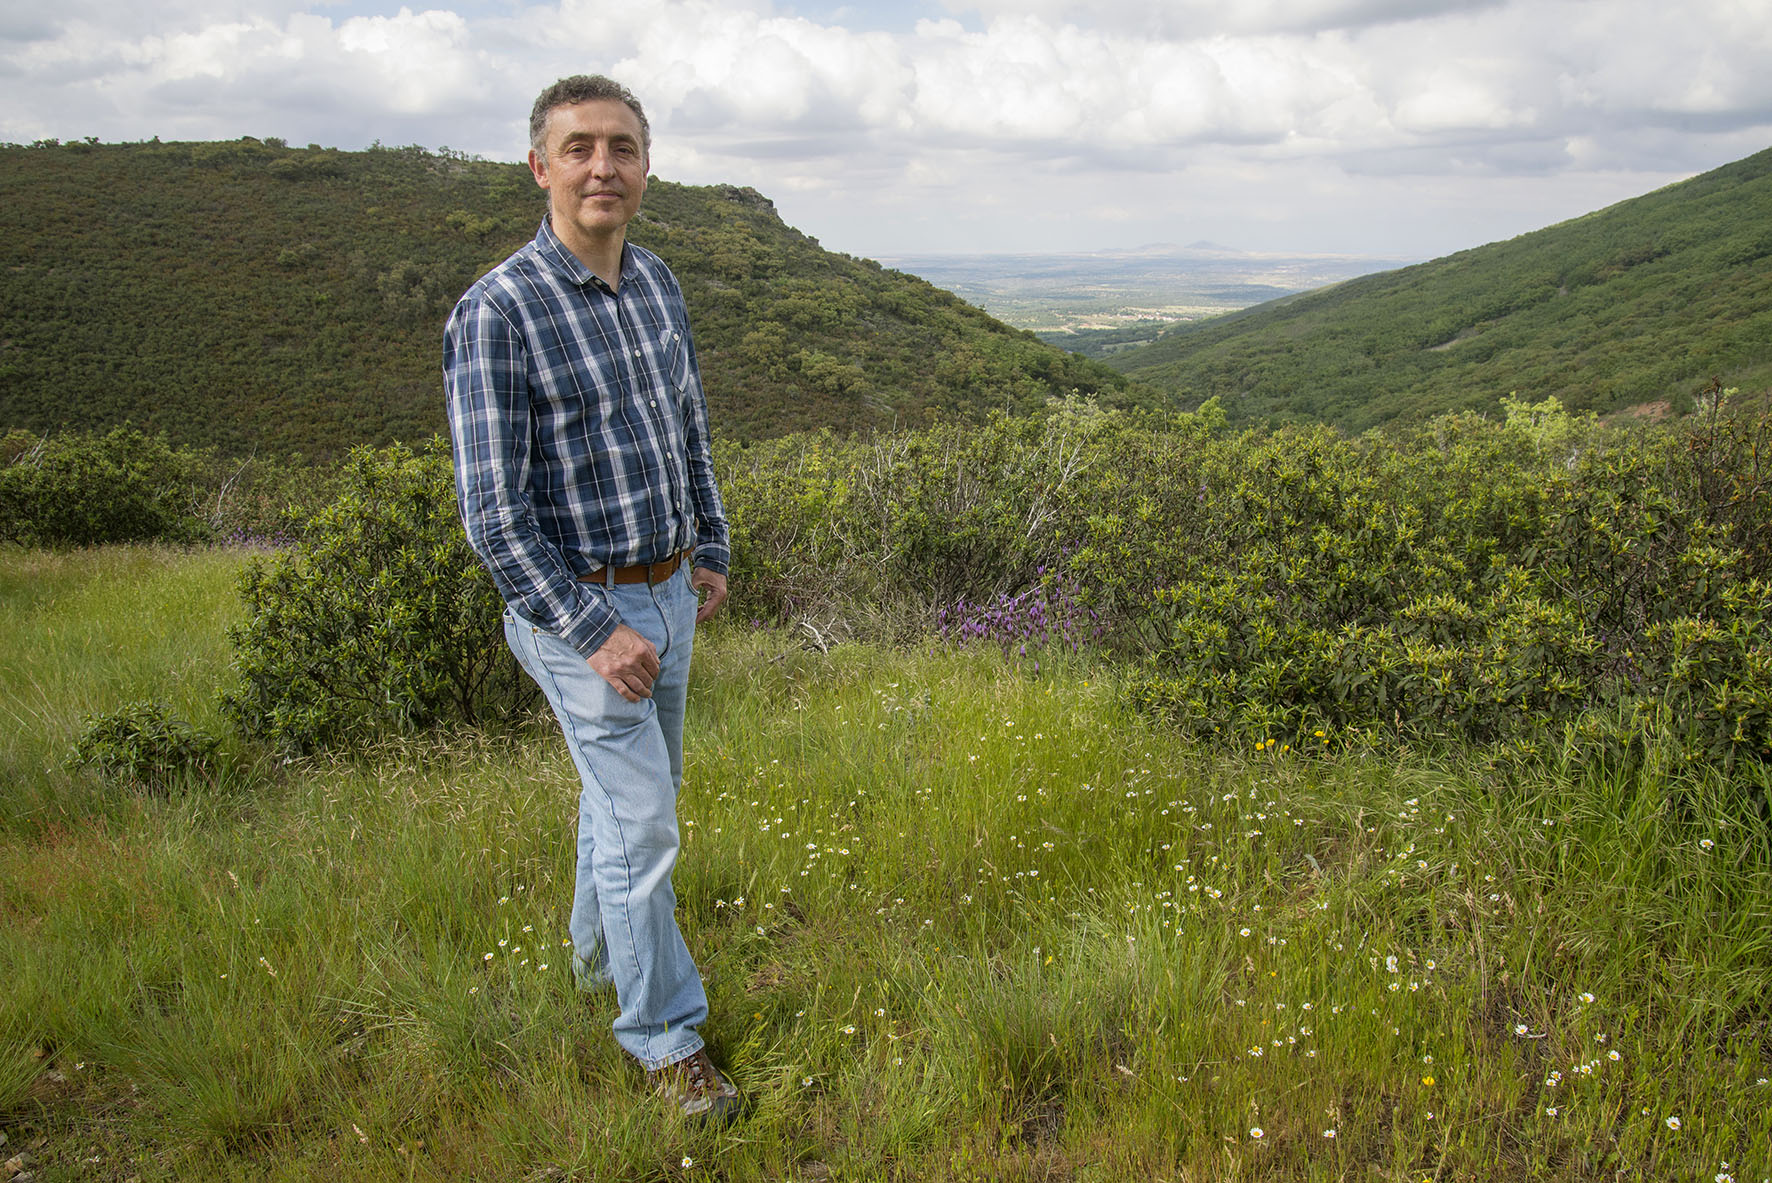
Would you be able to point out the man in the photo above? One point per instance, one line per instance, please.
(586, 486)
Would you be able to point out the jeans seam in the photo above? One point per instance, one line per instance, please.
(664, 617)
(571, 722)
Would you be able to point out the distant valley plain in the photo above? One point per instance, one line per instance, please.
(1098, 303)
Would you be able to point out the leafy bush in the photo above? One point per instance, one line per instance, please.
(1461, 581)
(142, 744)
(788, 503)
(1465, 582)
(84, 490)
(127, 486)
(378, 620)
(1708, 673)
(898, 526)
(962, 511)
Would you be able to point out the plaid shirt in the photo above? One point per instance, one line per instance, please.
(580, 429)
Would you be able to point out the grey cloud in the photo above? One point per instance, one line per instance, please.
(1672, 149)
(1204, 18)
(1494, 157)
(1357, 14)
(20, 25)
(1691, 123)
(780, 148)
(704, 111)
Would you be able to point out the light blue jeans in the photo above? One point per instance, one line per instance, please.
(630, 764)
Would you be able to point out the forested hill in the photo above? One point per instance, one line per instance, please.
(1635, 305)
(258, 297)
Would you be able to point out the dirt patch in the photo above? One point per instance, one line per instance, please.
(1653, 412)
(1042, 1123)
(1443, 346)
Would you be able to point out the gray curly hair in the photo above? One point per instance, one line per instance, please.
(582, 88)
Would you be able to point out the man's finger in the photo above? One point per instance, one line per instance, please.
(631, 686)
(711, 586)
(628, 662)
(640, 679)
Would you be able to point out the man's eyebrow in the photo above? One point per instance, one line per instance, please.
(579, 137)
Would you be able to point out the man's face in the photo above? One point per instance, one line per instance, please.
(594, 169)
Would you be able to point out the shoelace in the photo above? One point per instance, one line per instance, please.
(697, 1072)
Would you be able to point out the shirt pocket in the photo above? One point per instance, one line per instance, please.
(674, 348)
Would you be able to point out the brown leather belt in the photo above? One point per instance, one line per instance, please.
(639, 573)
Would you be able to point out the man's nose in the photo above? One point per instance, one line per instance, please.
(602, 161)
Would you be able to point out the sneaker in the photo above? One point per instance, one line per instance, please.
(696, 1087)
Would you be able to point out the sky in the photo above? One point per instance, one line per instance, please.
(1400, 129)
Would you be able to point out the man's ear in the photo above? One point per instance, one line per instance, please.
(538, 168)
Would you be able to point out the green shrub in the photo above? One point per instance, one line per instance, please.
(1532, 583)
(965, 512)
(893, 528)
(788, 502)
(379, 619)
(1466, 582)
(125, 486)
(1709, 673)
(1724, 465)
(143, 745)
(85, 490)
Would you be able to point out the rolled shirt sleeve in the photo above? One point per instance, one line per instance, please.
(712, 534)
(486, 379)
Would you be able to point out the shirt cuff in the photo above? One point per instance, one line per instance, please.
(587, 631)
(712, 556)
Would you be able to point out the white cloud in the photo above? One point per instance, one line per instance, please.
(422, 60)
(1026, 120)
(739, 73)
(257, 76)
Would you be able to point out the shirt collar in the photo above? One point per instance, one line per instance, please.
(554, 253)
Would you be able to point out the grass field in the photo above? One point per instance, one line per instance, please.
(958, 921)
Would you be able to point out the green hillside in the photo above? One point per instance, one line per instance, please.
(263, 298)
(1637, 304)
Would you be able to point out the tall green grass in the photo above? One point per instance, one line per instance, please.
(89, 631)
(958, 921)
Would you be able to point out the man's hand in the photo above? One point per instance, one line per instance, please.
(711, 585)
(628, 662)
